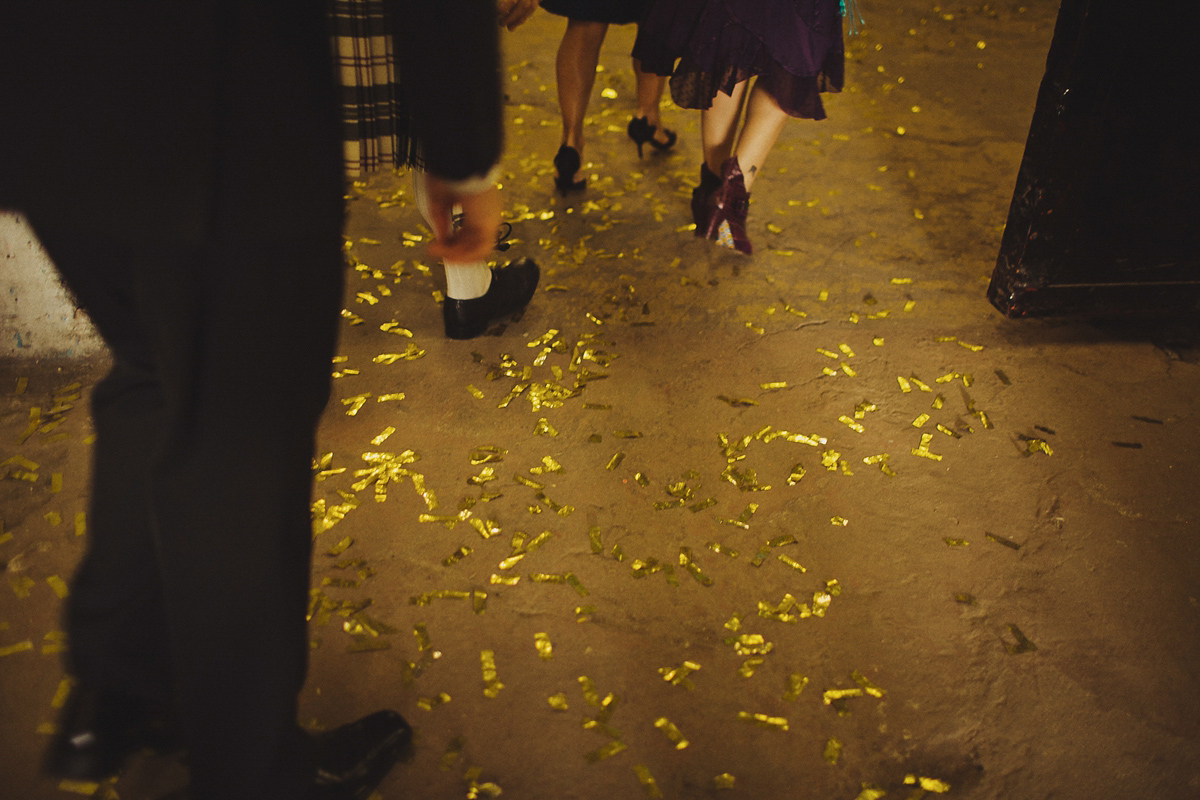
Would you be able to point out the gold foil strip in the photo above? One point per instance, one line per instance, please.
(717, 547)
(870, 792)
(387, 398)
(685, 561)
(430, 703)
(928, 784)
(458, 555)
(487, 454)
(19, 647)
(1036, 446)
(673, 733)
(746, 670)
(544, 648)
(846, 368)
(1001, 540)
(502, 580)
(492, 684)
(905, 386)
(851, 424)
(920, 420)
(923, 449)
(58, 585)
(558, 701)
(796, 565)
(750, 644)
(678, 676)
(544, 428)
(833, 750)
(453, 751)
(764, 720)
(795, 685)
(773, 385)
(605, 751)
(615, 461)
(828, 353)
(867, 686)
(1023, 645)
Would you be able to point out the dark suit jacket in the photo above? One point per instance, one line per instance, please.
(160, 118)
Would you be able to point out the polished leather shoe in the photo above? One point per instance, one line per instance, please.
(99, 729)
(351, 760)
(354, 759)
(511, 290)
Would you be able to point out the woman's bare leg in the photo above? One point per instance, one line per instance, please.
(718, 126)
(578, 55)
(764, 121)
(649, 93)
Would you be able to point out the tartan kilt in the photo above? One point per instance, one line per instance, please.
(374, 125)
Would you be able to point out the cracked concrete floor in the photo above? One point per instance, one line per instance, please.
(820, 513)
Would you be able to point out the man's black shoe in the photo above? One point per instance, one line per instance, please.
(98, 730)
(352, 760)
(511, 290)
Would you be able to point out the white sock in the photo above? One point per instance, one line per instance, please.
(464, 280)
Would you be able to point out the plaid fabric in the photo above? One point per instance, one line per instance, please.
(374, 123)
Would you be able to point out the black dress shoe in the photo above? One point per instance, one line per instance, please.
(99, 729)
(351, 760)
(354, 759)
(511, 290)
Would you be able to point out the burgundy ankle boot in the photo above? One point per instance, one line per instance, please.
(727, 221)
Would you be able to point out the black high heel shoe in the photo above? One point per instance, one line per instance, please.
(641, 131)
(567, 163)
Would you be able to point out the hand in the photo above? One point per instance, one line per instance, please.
(480, 220)
(511, 13)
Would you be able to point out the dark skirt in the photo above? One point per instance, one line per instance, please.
(793, 46)
(618, 12)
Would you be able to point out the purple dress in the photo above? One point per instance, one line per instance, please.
(793, 46)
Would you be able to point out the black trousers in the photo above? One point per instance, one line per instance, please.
(194, 585)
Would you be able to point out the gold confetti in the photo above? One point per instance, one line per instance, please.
(1001, 540)
(615, 461)
(86, 788)
(542, 643)
(558, 701)
(1036, 446)
(765, 721)
(53, 517)
(19, 647)
(605, 751)
(773, 385)
(796, 565)
(430, 703)
(386, 398)
(956, 542)
(833, 750)
(58, 585)
(851, 424)
(678, 676)
(920, 420)
(724, 781)
(474, 392)
(928, 784)
(383, 436)
(492, 684)
(796, 684)
(839, 521)
(544, 428)
(672, 732)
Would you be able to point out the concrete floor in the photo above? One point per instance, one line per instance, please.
(998, 602)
